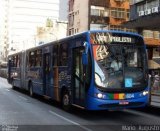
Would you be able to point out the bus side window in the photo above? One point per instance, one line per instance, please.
(19, 64)
(18, 61)
(14, 61)
(63, 54)
(38, 58)
(27, 60)
(32, 59)
(55, 55)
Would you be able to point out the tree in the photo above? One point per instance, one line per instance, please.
(49, 22)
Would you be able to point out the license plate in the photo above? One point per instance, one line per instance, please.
(123, 103)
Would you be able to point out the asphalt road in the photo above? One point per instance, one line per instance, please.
(18, 111)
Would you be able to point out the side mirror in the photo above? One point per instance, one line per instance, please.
(84, 59)
(85, 54)
(86, 46)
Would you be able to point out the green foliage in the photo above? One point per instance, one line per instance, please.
(49, 22)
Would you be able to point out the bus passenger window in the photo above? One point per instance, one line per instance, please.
(14, 61)
(17, 61)
(27, 61)
(38, 58)
(64, 59)
(55, 55)
(32, 59)
(63, 54)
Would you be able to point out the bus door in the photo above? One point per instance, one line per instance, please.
(78, 77)
(9, 69)
(47, 72)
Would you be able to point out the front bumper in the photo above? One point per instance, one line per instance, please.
(94, 103)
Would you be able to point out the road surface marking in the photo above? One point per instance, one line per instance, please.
(141, 113)
(7, 90)
(23, 98)
(75, 123)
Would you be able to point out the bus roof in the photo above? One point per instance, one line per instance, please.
(115, 31)
(77, 35)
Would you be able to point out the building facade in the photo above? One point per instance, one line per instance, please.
(145, 18)
(97, 14)
(4, 8)
(20, 21)
(63, 10)
(25, 17)
(148, 13)
(53, 30)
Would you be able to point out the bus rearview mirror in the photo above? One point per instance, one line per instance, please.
(84, 59)
(85, 53)
(86, 46)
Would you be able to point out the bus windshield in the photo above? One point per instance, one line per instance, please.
(119, 66)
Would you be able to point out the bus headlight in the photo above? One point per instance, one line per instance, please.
(99, 95)
(145, 93)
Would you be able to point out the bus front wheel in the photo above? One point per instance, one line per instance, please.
(12, 83)
(66, 101)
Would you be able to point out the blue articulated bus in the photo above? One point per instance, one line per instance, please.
(93, 70)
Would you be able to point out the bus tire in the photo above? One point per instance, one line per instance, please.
(31, 89)
(66, 101)
(12, 83)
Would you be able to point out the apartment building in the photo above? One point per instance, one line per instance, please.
(53, 30)
(97, 14)
(25, 17)
(145, 18)
(4, 6)
(20, 20)
(63, 10)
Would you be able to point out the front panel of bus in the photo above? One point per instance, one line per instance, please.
(120, 71)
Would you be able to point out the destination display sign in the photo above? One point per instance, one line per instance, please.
(121, 39)
(107, 38)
